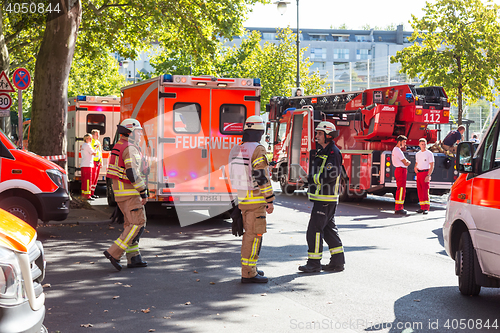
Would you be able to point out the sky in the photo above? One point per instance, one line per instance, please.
(322, 14)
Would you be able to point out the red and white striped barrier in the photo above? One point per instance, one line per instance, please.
(55, 158)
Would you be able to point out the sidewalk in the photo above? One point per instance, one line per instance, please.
(100, 212)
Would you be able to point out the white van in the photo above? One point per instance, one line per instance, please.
(472, 226)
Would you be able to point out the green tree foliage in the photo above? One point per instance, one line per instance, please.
(273, 62)
(122, 26)
(95, 76)
(456, 45)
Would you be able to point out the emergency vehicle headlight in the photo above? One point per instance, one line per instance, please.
(81, 98)
(256, 82)
(418, 112)
(201, 84)
(222, 84)
(56, 176)
(168, 78)
(446, 113)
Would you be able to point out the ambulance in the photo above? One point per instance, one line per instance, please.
(190, 125)
(86, 113)
(471, 230)
(22, 270)
(31, 187)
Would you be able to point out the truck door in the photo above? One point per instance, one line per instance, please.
(485, 201)
(185, 129)
(301, 142)
(230, 109)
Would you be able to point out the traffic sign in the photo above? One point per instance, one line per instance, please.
(5, 101)
(21, 78)
(5, 85)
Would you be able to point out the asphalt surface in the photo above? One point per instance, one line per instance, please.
(397, 277)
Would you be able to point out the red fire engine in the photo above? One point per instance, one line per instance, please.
(368, 123)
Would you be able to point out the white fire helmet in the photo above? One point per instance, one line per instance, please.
(326, 127)
(131, 124)
(255, 123)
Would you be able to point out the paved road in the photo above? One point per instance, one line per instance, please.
(397, 277)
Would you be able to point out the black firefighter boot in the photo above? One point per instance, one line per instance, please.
(333, 267)
(113, 261)
(313, 265)
(137, 262)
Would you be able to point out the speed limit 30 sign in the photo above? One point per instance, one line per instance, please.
(5, 101)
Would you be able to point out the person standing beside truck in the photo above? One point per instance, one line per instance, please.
(130, 192)
(424, 166)
(86, 166)
(249, 175)
(324, 180)
(452, 138)
(401, 164)
(96, 144)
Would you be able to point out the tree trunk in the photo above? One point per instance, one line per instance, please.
(50, 92)
(4, 66)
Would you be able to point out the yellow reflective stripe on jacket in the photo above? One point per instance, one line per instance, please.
(132, 249)
(319, 197)
(258, 160)
(121, 191)
(316, 180)
(267, 189)
(253, 200)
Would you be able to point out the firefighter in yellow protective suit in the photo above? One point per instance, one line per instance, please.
(249, 175)
(129, 189)
(323, 190)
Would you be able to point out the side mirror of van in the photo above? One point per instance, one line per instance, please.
(465, 153)
(106, 143)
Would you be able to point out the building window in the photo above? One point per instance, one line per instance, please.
(340, 38)
(268, 36)
(321, 38)
(318, 53)
(341, 54)
(362, 38)
(318, 65)
(363, 54)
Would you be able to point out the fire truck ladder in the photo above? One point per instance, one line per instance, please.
(328, 103)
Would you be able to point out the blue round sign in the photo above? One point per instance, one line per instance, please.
(21, 78)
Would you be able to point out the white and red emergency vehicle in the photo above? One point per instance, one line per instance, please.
(31, 187)
(190, 125)
(86, 113)
(471, 230)
(368, 123)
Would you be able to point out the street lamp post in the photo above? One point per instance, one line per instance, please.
(282, 9)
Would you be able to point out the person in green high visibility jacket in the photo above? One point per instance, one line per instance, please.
(324, 179)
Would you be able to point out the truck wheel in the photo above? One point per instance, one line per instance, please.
(344, 190)
(285, 187)
(22, 209)
(109, 193)
(464, 261)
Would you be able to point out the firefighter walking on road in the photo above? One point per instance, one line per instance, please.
(324, 179)
(129, 189)
(249, 175)
(401, 164)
